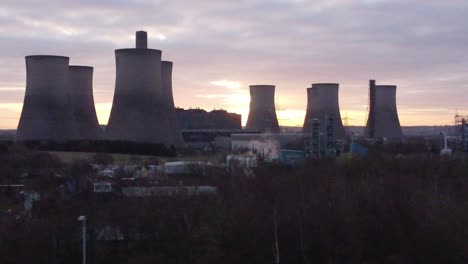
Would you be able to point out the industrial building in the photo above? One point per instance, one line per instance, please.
(461, 133)
(59, 106)
(382, 120)
(47, 108)
(84, 112)
(200, 119)
(323, 105)
(262, 112)
(137, 112)
(212, 138)
(205, 130)
(267, 144)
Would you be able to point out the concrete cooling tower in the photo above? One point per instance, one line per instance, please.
(382, 121)
(47, 112)
(262, 112)
(137, 114)
(322, 104)
(84, 112)
(168, 102)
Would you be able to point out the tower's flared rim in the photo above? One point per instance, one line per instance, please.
(80, 67)
(325, 84)
(137, 51)
(385, 86)
(262, 85)
(46, 57)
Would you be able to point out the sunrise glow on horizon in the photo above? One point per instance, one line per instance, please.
(220, 49)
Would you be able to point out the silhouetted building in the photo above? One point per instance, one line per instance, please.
(322, 104)
(84, 112)
(382, 121)
(200, 119)
(137, 112)
(262, 112)
(168, 102)
(47, 109)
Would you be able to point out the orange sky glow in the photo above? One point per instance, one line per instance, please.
(219, 48)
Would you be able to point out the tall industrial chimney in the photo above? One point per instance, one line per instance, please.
(81, 90)
(168, 102)
(262, 112)
(141, 40)
(382, 121)
(137, 114)
(322, 104)
(47, 112)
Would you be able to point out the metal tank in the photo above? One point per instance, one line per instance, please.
(383, 121)
(168, 102)
(47, 112)
(262, 112)
(322, 104)
(136, 113)
(84, 112)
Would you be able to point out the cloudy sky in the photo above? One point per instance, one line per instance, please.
(220, 47)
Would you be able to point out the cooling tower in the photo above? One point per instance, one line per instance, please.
(322, 104)
(168, 102)
(47, 112)
(166, 76)
(137, 114)
(262, 113)
(81, 90)
(382, 121)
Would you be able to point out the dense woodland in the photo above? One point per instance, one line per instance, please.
(378, 209)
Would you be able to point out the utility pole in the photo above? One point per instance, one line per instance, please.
(82, 218)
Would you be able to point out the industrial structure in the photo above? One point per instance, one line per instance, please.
(262, 112)
(84, 112)
(202, 129)
(47, 112)
(200, 119)
(167, 102)
(461, 133)
(59, 106)
(322, 105)
(267, 144)
(137, 112)
(382, 120)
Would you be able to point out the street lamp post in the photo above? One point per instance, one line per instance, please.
(82, 218)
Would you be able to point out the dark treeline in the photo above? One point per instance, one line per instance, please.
(373, 210)
(100, 146)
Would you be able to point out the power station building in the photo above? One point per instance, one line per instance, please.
(47, 112)
(323, 108)
(59, 105)
(382, 121)
(81, 90)
(199, 119)
(262, 112)
(138, 113)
